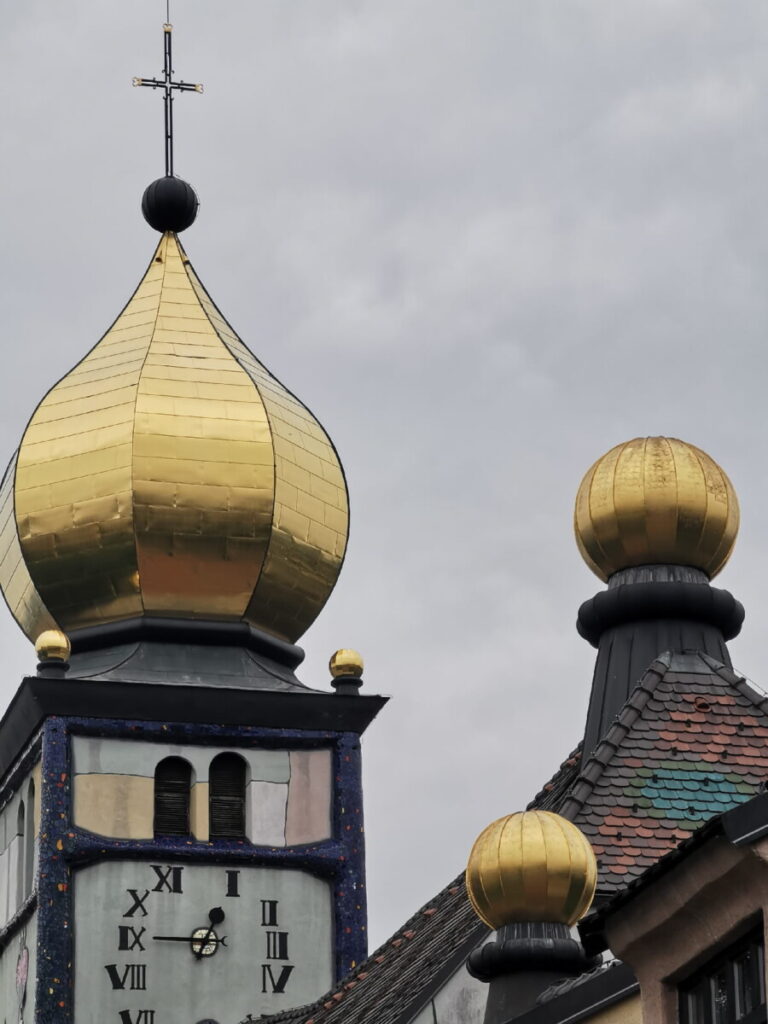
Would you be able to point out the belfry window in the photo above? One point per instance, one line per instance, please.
(173, 780)
(227, 797)
(730, 989)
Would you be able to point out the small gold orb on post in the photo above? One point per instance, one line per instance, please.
(346, 662)
(53, 645)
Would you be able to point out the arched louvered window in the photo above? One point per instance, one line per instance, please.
(173, 780)
(227, 797)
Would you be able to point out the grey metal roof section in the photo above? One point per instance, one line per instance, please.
(150, 661)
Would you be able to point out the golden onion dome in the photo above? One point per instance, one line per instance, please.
(655, 500)
(531, 866)
(170, 474)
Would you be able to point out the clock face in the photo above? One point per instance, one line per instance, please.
(169, 943)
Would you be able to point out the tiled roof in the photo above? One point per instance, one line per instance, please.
(552, 793)
(691, 742)
(403, 973)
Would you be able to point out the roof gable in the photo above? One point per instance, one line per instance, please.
(691, 742)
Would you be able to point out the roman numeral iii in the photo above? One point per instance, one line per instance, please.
(277, 945)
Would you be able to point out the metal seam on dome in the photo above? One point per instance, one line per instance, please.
(163, 244)
(192, 278)
(595, 535)
(39, 406)
(269, 579)
(196, 284)
(30, 593)
(670, 444)
(708, 567)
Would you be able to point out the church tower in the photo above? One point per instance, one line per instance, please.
(181, 832)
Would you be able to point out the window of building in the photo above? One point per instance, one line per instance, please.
(29, 842)
(730, 989)
(227, 797)
(173, 782)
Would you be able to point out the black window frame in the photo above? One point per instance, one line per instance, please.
(227, 786)
(172, 799)
(724, 968)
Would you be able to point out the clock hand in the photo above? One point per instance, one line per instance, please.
(215, 916)
(220, 940)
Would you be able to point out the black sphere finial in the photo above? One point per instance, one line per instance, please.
(169, 204)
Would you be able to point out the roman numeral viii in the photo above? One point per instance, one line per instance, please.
(132, 976)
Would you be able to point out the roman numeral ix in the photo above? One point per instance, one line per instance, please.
(130, 938)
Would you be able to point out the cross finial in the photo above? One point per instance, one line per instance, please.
(167, 84)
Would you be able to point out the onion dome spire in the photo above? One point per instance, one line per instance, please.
(530, 876)
(170, 474)
(656, 518)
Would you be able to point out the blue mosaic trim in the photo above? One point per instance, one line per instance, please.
(350, 897)
(53, 1001)
(323, 859)
(203, 734)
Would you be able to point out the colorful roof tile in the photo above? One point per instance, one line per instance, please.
(691, 742)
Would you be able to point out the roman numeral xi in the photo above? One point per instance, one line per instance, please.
(168, 878)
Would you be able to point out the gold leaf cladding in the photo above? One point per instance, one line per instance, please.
(74, 504)
(203, 464)
(311, 519)
(170, 474)
(655, 500)
(19, 591)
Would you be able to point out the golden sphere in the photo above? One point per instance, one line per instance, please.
(655, 500)
(346, 662)
(531, 866)
(53, 645)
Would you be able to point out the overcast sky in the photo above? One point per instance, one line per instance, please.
(484, 242)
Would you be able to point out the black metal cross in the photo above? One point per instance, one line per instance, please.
(168, 86)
